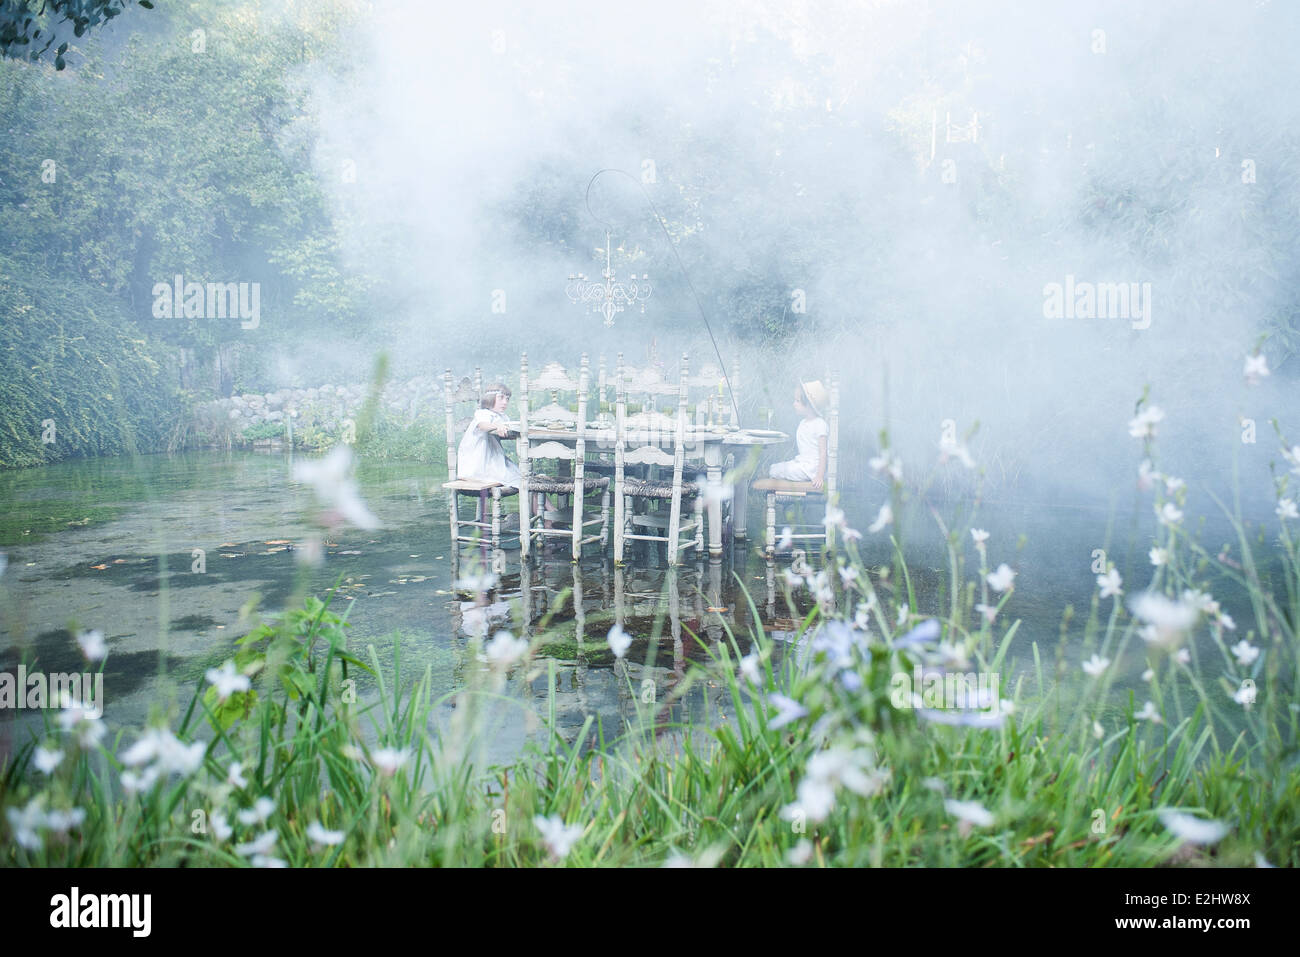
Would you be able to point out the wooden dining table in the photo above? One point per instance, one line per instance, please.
(716, 441)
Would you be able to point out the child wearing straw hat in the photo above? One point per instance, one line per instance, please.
(809, 465)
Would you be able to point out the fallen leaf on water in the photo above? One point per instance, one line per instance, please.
(350, 551)
(229, 545)
(100, 567)
(119, 561)
(279, 541)
(413, 556)
(231, 554)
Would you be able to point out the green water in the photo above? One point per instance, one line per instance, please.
(110, 544)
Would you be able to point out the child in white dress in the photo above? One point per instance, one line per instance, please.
(809, 465)
(480, 455)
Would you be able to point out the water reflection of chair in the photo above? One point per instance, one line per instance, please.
(640, 440)
(455, 400)
(778, 490)
(536, 449)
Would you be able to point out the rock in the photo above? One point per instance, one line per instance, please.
(235, 413)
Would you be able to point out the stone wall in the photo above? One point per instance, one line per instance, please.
(326, 407)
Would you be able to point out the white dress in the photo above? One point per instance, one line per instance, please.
(803, 468)
(480, 455)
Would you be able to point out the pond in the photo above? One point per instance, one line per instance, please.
(110, 544)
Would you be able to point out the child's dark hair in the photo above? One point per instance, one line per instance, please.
(490, 394)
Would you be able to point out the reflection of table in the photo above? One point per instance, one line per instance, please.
(715, 443)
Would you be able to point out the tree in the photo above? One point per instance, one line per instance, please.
(25, 23)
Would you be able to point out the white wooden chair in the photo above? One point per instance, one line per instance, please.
(456, 399)
(641, 440)
(541, 411)
(777, 490)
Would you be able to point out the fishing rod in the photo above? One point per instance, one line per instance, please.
(685, 275)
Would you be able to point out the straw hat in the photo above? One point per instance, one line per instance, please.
(816, 395)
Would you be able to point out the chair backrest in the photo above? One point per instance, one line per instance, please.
(553, 382)
(650, 437)
(833, 440)
(460, 402)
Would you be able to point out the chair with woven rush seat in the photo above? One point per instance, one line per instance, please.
(640, 440)
(778, 490)
(557, 434)
(455, 399)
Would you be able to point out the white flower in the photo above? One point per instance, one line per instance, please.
(93, 645)
(1183, 656)
(886, 461)
(834, 516)
(476, 583)
(786, 541)
(1098, 731)
(1095, 666)
(1149, 713)
(953, 655)
(27, 823)
(1225, 621)
(134, 783)
(972, 812)
(1286, 508)
(504, 650)
(1143, 425)
(815, 800)
(317, 834)
(792, 578)
(988, 611)
(884, 517)
(262, 860)
(1245, 695)
(168, 753)
(221, 828)
(257, 814)
(1147, 477)
(329, 478)
(800, 854)
(1158, 556)
(235, 775)
(558, 837)
(948, 445)
(787, 710)
(619, 641)
(1194, 830)
(1169, 514)
(1256, 368)
(1292, 455)
(1148, 674)
(1167, 622)
(1246, 653)
(227, 680)
(1001, 579)
(1172, 484)
(388, 760)
(829, 770)
(980, 537)
(1109, 584)
(63, 821)
(749, 668)
(862, 617)
(258, 845)
(46, 760)
(848, 574)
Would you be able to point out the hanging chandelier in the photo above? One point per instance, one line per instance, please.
(609, 297)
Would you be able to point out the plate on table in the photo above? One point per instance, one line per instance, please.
(764, 433)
